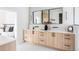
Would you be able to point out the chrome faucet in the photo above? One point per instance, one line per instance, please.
(35, 27)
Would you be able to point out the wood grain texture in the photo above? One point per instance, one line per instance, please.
(9, 46)
(61, 41)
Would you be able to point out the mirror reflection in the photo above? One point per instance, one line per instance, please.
(45, 16)
(56, 16)
(50, 16)
(37, 17)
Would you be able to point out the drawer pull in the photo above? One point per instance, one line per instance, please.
(66, 35)
(41, 40)
(67, 45)
(53, 34)
(67, 38)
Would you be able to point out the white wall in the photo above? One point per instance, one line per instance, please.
(68, 15)
(22, 20)
(76, 16)
(76, 31)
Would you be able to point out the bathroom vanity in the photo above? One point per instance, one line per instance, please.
(56, 36)
(58, 40)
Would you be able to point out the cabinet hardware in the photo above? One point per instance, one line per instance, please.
(41, 40)
(53, 34)
(67, 38)
(67, 45)
(66, 35)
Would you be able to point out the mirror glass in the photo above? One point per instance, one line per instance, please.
(37, 18)
(45, 16)
(56, 16)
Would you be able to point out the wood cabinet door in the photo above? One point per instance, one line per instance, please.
(35, 37)
(50, 39)
(60, 41)
(55, 40)
(31, 36)
(27, 35)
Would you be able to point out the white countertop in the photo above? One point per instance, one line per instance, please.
(55, 31)
(5, 40)
(51, 31)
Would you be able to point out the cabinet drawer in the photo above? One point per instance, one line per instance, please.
(68, 47)
(69, 44)
(42, 42)
(41, 34)
(69, 35)
(69, 39)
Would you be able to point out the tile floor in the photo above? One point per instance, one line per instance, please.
(31, 47)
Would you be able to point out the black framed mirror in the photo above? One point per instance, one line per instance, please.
(50, 16)
(56, 16)
(37, 17)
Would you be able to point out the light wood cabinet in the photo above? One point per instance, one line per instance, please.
(51, 40)
(28, 35)
(35, 37)
(69, 41)
(61, 41)
(42, 36)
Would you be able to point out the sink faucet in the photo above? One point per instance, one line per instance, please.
(35, 27)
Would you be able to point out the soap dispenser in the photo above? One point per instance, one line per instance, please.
(46, 26)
